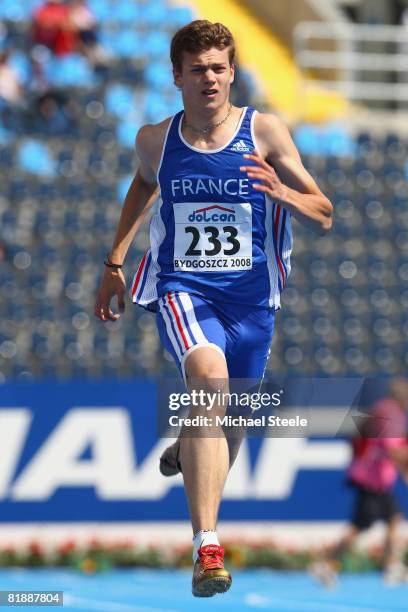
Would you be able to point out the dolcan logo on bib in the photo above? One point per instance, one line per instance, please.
(213, 214)
(212, 237)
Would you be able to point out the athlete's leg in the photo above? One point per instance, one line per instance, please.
(249, 335)
(205, 464)
(325, 570)
(190, 330)
(204, 450)
(186, 322)
(392, 548)
(242, 333)
(395, 570)
(345, 543)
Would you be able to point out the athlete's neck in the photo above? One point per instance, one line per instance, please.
(213, 138)
(203, 118)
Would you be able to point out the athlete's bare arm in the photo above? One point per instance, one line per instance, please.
(399, 455)
(141, 195)
(283, 177)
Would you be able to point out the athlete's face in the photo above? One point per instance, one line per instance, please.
(205, 78)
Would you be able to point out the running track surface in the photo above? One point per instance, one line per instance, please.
(168, 590)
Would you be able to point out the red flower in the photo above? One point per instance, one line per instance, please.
(66, 547)
(95, 543)
(35, 548)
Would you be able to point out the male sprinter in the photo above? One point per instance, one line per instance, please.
(230, 179)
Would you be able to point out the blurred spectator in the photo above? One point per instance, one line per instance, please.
(11, 89)
(51, 118)
(53, 28)
(84, 21)
(39, 84)
(378, 454)
(3, 35)
(3, 253)
(12, 100)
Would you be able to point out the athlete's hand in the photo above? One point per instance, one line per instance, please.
(270, 182)
(112, 283)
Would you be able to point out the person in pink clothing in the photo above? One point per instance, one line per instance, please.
(379, 454)
(373, 467)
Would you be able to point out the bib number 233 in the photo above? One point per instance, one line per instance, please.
(212, 237)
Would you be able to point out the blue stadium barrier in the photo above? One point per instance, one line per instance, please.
(88, 451)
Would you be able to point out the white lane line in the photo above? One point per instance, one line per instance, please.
(255, 600)
(108, 606)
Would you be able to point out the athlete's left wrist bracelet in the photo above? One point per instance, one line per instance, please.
(109, 264)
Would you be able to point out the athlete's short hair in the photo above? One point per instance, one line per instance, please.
(200, 35)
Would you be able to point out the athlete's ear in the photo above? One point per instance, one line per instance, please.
(177, 78)
(232, 68)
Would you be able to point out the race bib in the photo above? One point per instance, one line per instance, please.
(212, 237)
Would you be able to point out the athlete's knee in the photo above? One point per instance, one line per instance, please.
(206, 372)
(206, 364)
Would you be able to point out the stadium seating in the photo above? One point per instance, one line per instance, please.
(344, 312)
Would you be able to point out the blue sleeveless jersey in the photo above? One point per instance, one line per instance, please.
(213, 235)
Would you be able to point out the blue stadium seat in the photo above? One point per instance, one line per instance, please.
(14, 10)
(101, 9)
(174, 102)
(155, 107)
(307, 140)
(6, 138)
(123, 186)
(158, 43)
(332, 140)
(179, 16)
(49, 370)
(126, 11)
(337, 141)
(119, 100)
(34, 156)
(159, 76)
(126, 133)
(71, 71)
(21, 64)
(153, 14)
(127, 44)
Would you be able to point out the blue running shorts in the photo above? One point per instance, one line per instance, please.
(240, 332)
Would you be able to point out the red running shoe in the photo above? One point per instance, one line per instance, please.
(210, 576)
